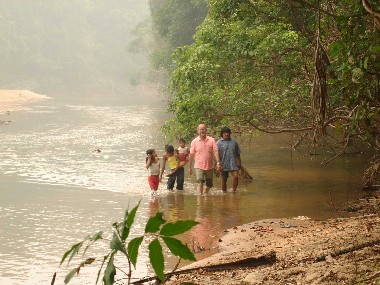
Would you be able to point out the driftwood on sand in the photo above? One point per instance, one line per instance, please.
(347, 250)
(266, 259)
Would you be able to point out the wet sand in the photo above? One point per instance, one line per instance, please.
(297, 251)
(15, 100)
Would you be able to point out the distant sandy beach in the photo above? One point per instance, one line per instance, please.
(15, 100)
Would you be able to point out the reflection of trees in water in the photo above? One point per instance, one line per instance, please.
(175, 206)
(214, 213)
(154, 206)
(229, 211)
(202, 234)
(172, 205)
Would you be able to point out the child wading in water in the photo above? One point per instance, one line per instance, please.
(176, 168)
(182, 151)
(153, 166)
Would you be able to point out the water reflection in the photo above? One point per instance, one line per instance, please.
(55, 190)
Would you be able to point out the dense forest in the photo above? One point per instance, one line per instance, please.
(307, 67)
(73, 47)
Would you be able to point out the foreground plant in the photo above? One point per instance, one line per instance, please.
(156, 230)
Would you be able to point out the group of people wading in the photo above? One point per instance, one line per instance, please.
(203, 149)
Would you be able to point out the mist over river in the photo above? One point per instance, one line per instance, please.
(55, 189)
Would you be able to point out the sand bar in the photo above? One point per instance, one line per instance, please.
(15, 100)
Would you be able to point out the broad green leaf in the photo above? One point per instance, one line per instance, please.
(97, 236)
(157, 259)
(178, 248)
(133, 249)
(179, 227)
(335, 48)
(101, 267)
(110, 272)
(374, 49)
(116, 243)
(125, 232)
(93, 239)
(70, 276)
(357, 75)
(73, 250)
(365, 64)
(154, 223)
(129, 218)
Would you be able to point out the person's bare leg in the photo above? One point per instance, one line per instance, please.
(224, 183)
(207, 189)
(200, 188)
(235, 181)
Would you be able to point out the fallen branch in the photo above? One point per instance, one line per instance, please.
(371, 277)
(267, 259)
(243, 174)
(347, 250)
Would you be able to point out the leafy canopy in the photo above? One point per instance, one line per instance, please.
(308, 67)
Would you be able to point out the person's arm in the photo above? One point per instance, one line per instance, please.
(191, 158)
(238, 159)
(217, 157)
(163, 166)
(148, 161)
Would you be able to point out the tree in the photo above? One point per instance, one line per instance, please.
(69, 47)
(307, 67)
(174, 24)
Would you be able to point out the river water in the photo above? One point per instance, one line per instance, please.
(55, 190)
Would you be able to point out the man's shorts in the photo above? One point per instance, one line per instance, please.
(204, 176)
(154, 180)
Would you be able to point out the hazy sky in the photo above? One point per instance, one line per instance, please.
(70, 47)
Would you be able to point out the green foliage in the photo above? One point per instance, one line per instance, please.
(70, 46)
(154, 223)
(110, 272)
(252, 67)
(174, 23)
(156, 229)
(157, 258)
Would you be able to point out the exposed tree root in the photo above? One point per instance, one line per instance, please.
(267, 259)
(347, 250)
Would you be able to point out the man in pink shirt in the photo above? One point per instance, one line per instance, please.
(202, 150)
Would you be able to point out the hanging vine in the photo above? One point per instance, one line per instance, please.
(319, 91)
(375, 14)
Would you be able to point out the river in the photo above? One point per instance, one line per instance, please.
(56, 190)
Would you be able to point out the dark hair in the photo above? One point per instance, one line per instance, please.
(182, 140)
(225, 130)
(169, 148)
(149, 151)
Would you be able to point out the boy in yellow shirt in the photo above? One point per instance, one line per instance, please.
(176, 168)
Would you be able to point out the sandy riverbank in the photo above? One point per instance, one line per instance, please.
(296, 251)
(16, 100)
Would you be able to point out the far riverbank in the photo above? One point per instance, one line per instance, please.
(15, 100)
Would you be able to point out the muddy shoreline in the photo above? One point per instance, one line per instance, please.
(299, 251)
